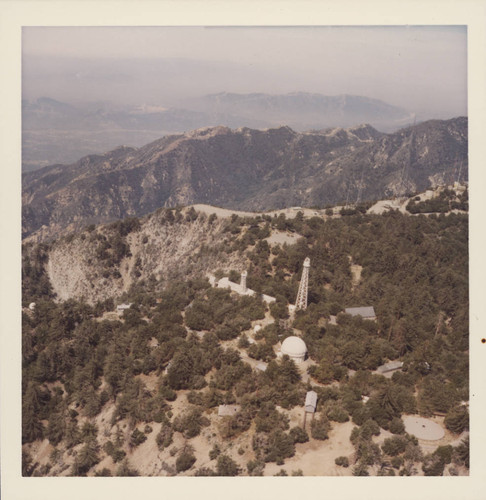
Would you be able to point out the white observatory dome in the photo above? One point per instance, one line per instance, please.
(294, 348)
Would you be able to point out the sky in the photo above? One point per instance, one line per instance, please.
(420, 68)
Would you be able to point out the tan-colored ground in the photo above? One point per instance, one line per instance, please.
(281, 237)
(316, 458)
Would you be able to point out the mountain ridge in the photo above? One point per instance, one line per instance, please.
(244, 169)
(58, 132)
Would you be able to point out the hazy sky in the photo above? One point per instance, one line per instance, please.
(420, 68)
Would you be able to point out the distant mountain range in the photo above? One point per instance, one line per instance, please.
(57, 132)
(244, 169)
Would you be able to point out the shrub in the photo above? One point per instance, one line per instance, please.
(433, 466)
(137, 438)
(164, 437)
(298, 435)
(124, 470)
(444, 453)
(190, 423)
(394, 446)
(369, 428)
(86, 458)
(320, 428)
(214, 453)
(461, 453)
(226, 466)
(338, 414)
(396, 426)
(342, 461)
(185, 461)
(360, 469)
(115, 453)
(457, 419)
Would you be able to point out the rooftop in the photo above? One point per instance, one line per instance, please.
(365, 312)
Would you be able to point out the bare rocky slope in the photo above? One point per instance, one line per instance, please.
(243, 169)
(98, 263)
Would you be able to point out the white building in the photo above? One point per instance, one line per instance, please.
(239, 288)
(294, 348)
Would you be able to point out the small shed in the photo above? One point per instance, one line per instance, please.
(367, 312)
(261, 366)
(310, 402)
(228, 410)
(390, 367)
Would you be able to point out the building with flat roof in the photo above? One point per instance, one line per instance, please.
(390, 367)
(367, 312)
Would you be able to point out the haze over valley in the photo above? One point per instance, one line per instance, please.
(89, 90)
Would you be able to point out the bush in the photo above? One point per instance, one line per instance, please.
(461, 453)
(298, 435)
(115, 453)
(444, 453)
(342, 461)
(457, 419)
(124, 470)
(274, 447)
(255, 467)
(433, 466)
(190, 423)
(338, 414)
(226, 466)
(394, 446)
(214, 453)
(368, 429)
(164, 437)
(360, 469)
(396, 426)
(137, 438)
(185, 461)
(320, 428)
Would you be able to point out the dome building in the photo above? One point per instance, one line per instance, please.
(294, 348)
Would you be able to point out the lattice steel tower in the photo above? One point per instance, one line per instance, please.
(301, 300)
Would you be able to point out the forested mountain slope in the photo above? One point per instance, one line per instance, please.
(139, 393)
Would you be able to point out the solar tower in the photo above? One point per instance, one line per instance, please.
(301, 300)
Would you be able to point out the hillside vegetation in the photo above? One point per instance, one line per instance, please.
(138, 394)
